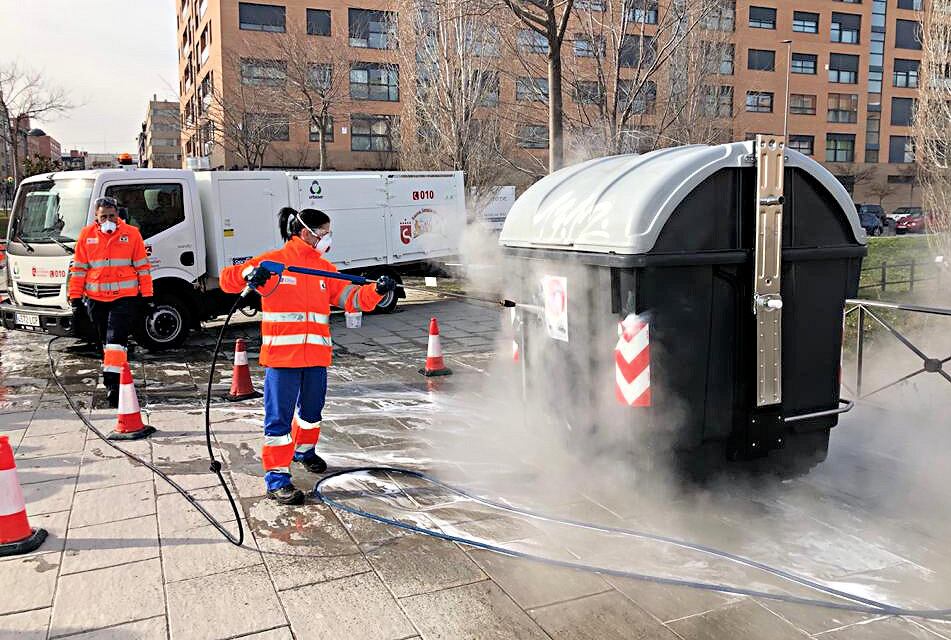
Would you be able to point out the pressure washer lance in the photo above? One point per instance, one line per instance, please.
(277, 269)
(857, 603)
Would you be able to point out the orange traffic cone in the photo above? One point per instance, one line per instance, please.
(16, 536)
(434, 362)
(241, 387)
(129, 425)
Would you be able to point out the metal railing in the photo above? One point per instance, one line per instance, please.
(869, 309)
(911, 273)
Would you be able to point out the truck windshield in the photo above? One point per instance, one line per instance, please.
(51, 210)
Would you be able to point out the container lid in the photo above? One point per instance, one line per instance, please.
(620, 204)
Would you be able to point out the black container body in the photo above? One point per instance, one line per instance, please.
(694, 288)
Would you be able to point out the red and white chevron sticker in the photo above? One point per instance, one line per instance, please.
(632, 384)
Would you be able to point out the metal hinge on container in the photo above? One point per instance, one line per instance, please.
(767, 299)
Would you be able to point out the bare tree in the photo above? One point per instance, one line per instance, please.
(549, 19)
(933, 125)
(317, 84)
(453, 122)
(882, 190)
(25, 94)
(647, 74)
(246, 120)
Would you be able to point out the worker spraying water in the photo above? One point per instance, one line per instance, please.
(296, 346)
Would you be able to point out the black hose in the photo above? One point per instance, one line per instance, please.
(864, 605)
(214, 464)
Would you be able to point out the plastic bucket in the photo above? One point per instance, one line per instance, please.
(354, 320)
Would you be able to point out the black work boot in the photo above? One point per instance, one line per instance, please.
(113, 397)
(315, 464)
(287, 495)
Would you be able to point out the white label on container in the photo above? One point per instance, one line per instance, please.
(556, 306)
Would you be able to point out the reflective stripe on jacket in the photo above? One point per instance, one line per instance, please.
(108, 266)
(295, 319)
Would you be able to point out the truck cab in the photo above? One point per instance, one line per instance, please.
(50, 210)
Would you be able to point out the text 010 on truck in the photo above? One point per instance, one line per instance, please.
(195, 223)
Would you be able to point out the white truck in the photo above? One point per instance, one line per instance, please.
(195, 223)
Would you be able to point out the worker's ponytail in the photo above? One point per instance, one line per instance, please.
(288, 222)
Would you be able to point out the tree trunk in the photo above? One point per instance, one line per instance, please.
(556, 143)
(322, 148)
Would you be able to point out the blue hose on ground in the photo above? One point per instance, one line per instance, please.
(858, 603)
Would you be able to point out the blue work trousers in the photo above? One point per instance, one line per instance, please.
(287, 389)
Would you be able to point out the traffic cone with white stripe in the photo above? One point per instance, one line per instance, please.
(241, 387)
(129, 425)
(435, 366)
(16, 535)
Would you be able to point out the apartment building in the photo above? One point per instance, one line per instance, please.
(160, 138)
(852, 68)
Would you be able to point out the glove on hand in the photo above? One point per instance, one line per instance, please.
(77, 305)
(385, 284)
(258, 277)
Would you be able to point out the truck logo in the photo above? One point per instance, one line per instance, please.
(315, 190)
(148, 250)
(40, 272)
(406, 232)
(423, 221)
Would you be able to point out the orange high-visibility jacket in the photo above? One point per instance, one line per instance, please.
(109, 266)
(295, 323)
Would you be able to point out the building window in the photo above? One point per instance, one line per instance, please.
(843, 107)
(642, 11)
(261, 17)
(801, 104)
(722, 17)
(903, 110)
(846, 28)
(840, 147)
(589, 5)
(906, 73)
(635, 51)
(805, 22)
(914, 5)
(873, 128)
(530, 41)
(486, 84)
(374, 81)
(641, 102)
(485, 43)
(761, 60)
(318, 22)
(532, 136)
(372, 133)
(901, 150)
(328, 131)
(718, 101)
(270, 126)
(843, 68)
(588, 92)
(264, 73)
(531, 89)
(759, 101)
(804, 63)
(321, 76)
(803, 144)
(586, 47)
(727, 55)
(907, 34)
(372, 29)
(762, 18)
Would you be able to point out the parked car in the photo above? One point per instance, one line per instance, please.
(871, 223)
(916, 222)
(874, 209)
(901, 212)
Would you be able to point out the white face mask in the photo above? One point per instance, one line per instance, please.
(323, 245)
(108, 226)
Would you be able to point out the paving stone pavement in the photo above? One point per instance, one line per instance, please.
(128, 558)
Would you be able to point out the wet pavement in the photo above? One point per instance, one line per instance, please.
(128, 558)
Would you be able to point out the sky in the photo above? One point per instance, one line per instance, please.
(111, 56)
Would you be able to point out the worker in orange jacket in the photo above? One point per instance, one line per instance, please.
(110, 279)
(296, 348)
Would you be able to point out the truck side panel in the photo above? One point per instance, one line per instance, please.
(427, 215)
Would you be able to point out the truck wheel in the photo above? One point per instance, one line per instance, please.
(388, 303)
(166, 327)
